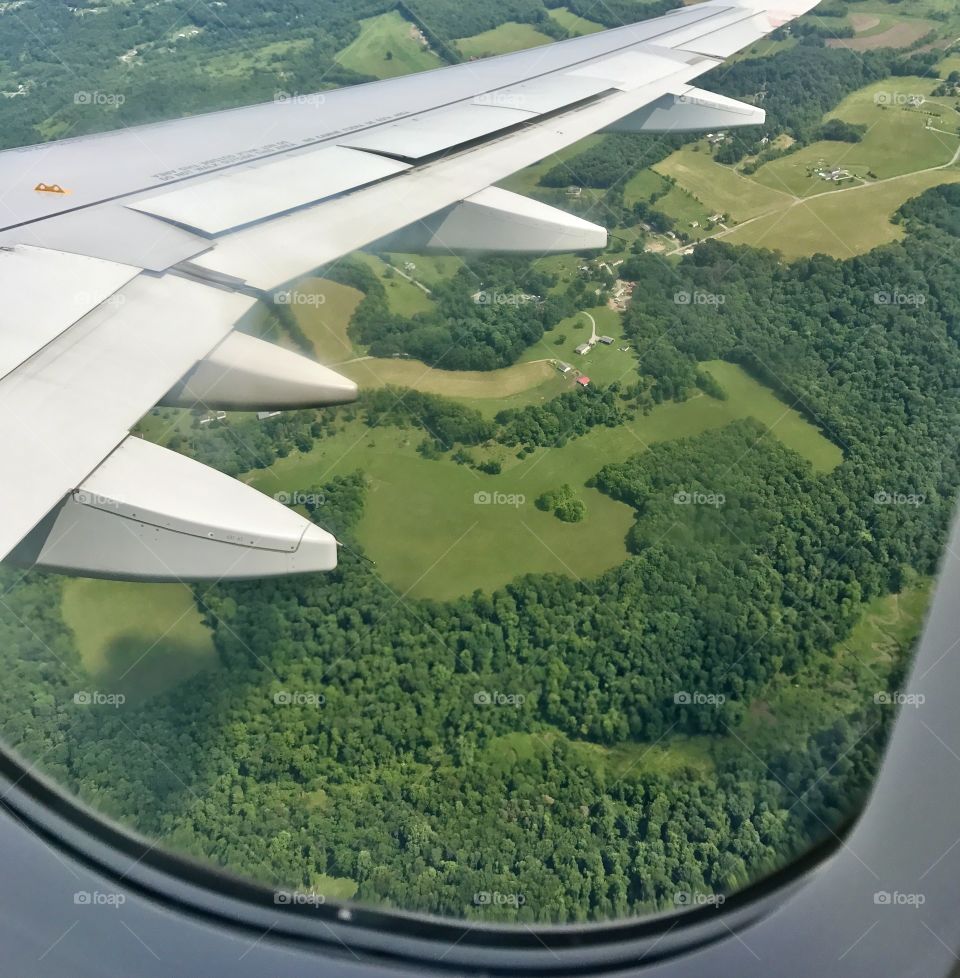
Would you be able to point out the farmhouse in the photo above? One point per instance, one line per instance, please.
(583, 380)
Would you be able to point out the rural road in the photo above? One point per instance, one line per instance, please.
(841, 190)
(593, 328)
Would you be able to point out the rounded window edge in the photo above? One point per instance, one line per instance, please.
(190, 887)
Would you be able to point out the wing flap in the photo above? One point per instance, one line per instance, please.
(440, 130)
(148, 514)
(73, 402)
(68, 287)
(279, 250)
(233, 199)
(632, 69)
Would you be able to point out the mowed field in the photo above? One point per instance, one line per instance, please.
(786, 207)
(406, 298)
(528, 181)
(387, 46)
(897, 139)
(720, 187)
(572, 23)
(508, 37)
(842, 224)
(513, 386)
(137, 639)
(430, 538)
(898, 35)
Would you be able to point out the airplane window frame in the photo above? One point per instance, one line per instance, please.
(188, 885)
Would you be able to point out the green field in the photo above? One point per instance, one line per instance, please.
(572, 23)
(686, 210)
(841, 224)
(430, 268)
(430, 538)
(603, 364)
(721, 188)
(896, 141)
(627, 760)
(325, 325)
(527, 181)
(269, 57)
(890, 625)
(387, 46)
(563, 266)
(836, 680)
(642, 186)
(763, 49)
(787, 207)
(521, 383)
(137, 639)
(405, 298)
(508, 37)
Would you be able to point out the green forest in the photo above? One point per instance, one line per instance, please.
(557, 748)
(498, 743)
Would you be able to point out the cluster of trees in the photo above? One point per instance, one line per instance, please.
(569, 415)
(841, 131)
(483, 318)
(563, 503)
(948, 86)
(447, 421)
(612, 161)
(797, 87)
(237, 447)
(939, 207)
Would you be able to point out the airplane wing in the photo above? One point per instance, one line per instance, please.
(127, 257)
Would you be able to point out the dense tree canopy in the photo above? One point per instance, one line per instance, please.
(455, 751)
